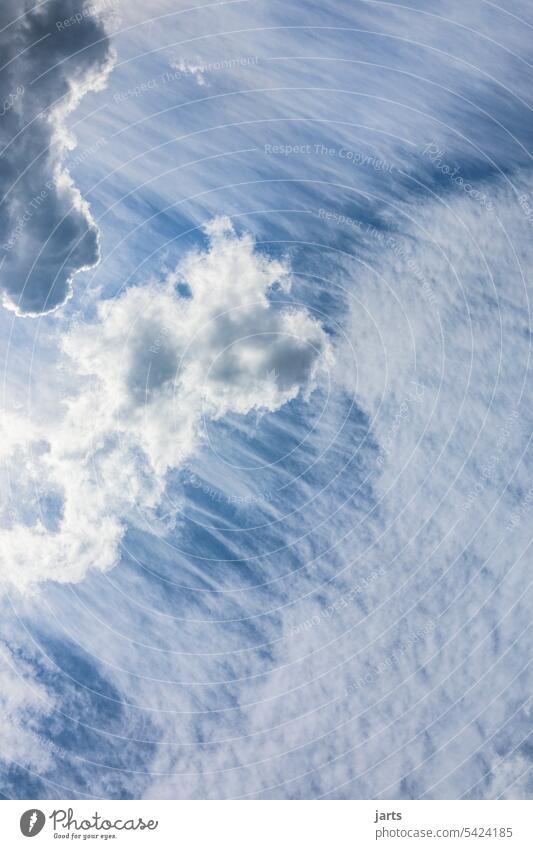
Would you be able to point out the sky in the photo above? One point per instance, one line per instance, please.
(265, 514)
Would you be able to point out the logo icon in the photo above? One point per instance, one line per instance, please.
(32, 822)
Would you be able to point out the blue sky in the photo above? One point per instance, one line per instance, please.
(265, 530)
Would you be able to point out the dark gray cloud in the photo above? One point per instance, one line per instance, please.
(52, 53)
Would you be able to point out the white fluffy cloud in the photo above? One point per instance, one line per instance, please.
(212, 338)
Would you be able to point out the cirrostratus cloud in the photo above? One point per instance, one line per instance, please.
(218, 336)
(52, 54)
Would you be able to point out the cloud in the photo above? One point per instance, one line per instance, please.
(197, 71)
(219, 335)
(411, 682)
(53, 54)
(298, 658)
(23, 703)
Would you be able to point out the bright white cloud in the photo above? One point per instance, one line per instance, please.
(209, 340)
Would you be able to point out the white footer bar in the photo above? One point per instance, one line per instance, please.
(268, 824)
